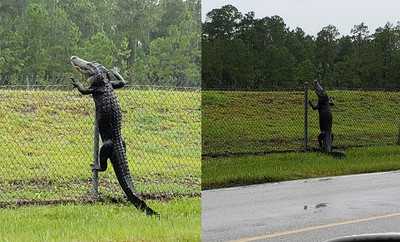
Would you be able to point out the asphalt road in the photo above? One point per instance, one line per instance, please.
(303, 210)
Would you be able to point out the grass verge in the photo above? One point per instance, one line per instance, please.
(181, 221)
(47, 143)
(236, 122)
(246, 170)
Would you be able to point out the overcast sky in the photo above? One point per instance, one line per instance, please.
(313, 15)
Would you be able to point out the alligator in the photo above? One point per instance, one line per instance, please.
(325, 138)
(108, 115)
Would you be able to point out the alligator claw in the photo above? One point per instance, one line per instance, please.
(95, 167)
(74, 82)
(115, 70)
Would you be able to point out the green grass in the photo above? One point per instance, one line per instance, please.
(236, 122)
(47, 143)
(255, 129)
(181, 221)
(245, 170)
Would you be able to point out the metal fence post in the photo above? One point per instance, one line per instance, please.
(305, 114)
(398, 136)
(95, 175)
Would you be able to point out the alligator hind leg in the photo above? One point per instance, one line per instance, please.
(105, 154)
(321, 138)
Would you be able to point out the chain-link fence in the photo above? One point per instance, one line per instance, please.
(259, 122)
(47, 139)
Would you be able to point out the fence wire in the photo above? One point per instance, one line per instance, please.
(47, 143)
(260, 122)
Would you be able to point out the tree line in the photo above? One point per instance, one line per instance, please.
(241, 51)
(149, 41)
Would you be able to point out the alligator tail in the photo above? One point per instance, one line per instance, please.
(125, 180)
(337, 155)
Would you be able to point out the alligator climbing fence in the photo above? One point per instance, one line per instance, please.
(47, 140)
(260, 122)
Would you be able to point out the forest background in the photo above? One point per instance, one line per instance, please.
(240, 51)
(154, 42)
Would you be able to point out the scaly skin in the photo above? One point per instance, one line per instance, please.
(108, 114)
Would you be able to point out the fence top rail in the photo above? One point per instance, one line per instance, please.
(69, 87)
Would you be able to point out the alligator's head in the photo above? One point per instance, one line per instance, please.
(322, 96)
(88, 69)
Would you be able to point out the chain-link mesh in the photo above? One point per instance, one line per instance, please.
(258, 122)
(47, 143)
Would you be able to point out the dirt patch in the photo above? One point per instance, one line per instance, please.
(190, 109)
(29, 108)
(162, 111)
(165, 197)
(266, 101)
(236, 154)
(5, 97)
(114, 194)
(297, 101)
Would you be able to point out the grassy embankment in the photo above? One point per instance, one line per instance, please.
(248, 126)
(47, 143)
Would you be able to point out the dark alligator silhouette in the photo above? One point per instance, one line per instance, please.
(108, 115)
(325, 138)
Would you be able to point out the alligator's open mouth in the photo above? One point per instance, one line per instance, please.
(82, 66)
(76, 66)
(318, 89)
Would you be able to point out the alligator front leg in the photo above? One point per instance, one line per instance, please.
(331, 101)
(120, 83)
(314, 107)
(83, 90)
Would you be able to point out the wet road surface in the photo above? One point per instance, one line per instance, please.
(303, 210)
